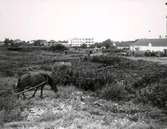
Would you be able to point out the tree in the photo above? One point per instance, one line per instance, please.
(84, 45)
(98, 45)
(58, 47)
(8, 42)
(107, 43)
(39, 42)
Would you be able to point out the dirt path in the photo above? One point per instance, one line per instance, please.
(73, 109)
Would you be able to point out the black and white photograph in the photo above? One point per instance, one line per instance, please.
(83, 64)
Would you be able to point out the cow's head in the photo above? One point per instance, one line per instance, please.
(16, 86)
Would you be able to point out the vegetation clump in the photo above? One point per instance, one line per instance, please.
(58, 47)
(117, 78)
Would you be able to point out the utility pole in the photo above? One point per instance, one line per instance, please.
(166, 27)
(166, 23)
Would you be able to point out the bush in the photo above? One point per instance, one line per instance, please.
(83, 76)
(58, 47)
(113, 91)
(155, 94)
(106, 59)
(84, 46)
(147, 53)
(62, 73)
(90, 78)
(157, 54)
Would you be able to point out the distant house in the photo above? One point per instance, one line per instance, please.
(123, 45)
(153, 45)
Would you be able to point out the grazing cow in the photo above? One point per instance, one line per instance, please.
(33, 81)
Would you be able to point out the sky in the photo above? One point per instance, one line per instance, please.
(65, 19)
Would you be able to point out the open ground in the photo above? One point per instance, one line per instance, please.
(86, 105)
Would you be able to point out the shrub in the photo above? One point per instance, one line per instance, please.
(151, 88)
(62, 73)
(106, 59)
(15, 48)
(11, 106)
(147, 53)
(84, 76)
(84, 46)
(58, 47)
(157, 54)
(91, 79)
(155, 94)
(113, 91)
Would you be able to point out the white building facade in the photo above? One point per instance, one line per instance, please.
(77, 42)
(153, 45)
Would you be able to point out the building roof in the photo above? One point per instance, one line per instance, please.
(154, 42)
(124, 44)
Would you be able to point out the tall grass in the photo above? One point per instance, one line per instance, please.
(146, 80)
(114, 91)
(10, 106)
(102, 73)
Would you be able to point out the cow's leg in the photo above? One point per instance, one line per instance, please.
(34, 92)
(18, 96)
(24, 97)
(42, 91)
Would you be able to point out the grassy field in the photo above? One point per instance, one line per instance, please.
(109, 92)
(161, 60)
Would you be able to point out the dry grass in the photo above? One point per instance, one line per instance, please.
(75, 109)
(113, 91)
(161, 60)
(10, 107)
(70, 107)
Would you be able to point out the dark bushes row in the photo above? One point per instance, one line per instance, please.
(148, 54)
(57, 47)
(157, 54)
